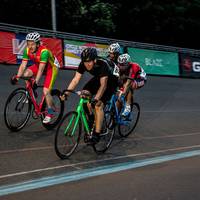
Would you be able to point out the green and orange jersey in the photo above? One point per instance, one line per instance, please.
(42, 55)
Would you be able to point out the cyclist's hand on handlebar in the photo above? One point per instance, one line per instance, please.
(93, 103)
(64, 96)
(14, 79)
(121, 94)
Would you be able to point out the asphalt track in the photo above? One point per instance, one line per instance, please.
(160, 160)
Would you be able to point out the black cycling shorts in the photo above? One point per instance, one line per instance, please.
(93, 86)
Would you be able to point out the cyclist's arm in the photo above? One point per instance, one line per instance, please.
(74, 82)
(102, 88)
(22, 68)
(126, 86)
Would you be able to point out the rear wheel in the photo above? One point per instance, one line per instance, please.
(58, 106)
(17, 109)
(67, 135)
(106, 137)
(129, 124)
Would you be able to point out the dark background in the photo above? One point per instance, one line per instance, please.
(174, 23)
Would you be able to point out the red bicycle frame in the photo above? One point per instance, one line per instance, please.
(38, 107)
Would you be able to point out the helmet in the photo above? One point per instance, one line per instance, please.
(123, 59)
(88, 54)
(114, 48)
(34, 36)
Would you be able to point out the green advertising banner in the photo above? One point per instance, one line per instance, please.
(156, 62)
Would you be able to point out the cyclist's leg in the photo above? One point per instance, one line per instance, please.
(91, 87)
(50, 77)
(135, 85)
(99, 115)
(31, 71)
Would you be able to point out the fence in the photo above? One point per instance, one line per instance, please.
(156, 59)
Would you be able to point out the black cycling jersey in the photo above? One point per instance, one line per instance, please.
(101, 68)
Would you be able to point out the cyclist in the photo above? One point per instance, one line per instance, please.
(132, 70)
(101, 86)
(113, 52)
(45, 63)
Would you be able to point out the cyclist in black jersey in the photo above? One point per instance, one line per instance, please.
(103, 84)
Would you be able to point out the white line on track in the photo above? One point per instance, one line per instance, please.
(98, 161)
(139, 138)
(171, 111)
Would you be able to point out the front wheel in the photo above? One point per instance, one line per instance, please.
(58, 106)
(107, 134)
(17, 109)
(128, 125)
(67, 135)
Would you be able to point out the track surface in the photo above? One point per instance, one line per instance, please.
(169, 125)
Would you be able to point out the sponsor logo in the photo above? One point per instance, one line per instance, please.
(196, 66)
(157, 62)
(18, 46)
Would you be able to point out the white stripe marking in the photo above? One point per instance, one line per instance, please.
(97, 161)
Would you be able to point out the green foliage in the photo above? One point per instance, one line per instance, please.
(166, 22)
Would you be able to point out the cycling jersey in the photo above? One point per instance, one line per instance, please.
(134, 71)
(101, 69)
(43, 55)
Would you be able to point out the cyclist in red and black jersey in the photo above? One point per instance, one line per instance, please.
(101, 86)
(45, 63)
(128, 86)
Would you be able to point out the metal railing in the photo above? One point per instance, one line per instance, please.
(73, 36)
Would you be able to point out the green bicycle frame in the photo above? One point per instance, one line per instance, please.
(81, 113)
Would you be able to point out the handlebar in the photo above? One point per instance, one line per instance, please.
(82, 93)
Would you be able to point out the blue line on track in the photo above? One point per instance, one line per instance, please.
(92, 172)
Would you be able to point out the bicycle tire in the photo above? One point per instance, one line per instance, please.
(107, 136)
(59, 107)
(135, 113)
(22, 101)
(62, 139)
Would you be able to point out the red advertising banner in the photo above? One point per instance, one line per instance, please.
(12, 47)
(6, 48)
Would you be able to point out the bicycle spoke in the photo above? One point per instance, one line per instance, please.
(128, 124)
(67, 135)
(17, 109)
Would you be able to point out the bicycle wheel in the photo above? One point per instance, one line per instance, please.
(67, 135)
(17, 109)
(58, 106)
(106, 137)
(129, 124)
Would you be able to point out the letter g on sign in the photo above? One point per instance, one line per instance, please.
(196, 66)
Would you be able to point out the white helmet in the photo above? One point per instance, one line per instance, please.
(123, 59)
(34, 36)
(114, 48)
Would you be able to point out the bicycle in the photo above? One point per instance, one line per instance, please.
(125, 125)
(23, 101)
(69, 130)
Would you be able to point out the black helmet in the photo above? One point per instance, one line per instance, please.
(88, 54)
